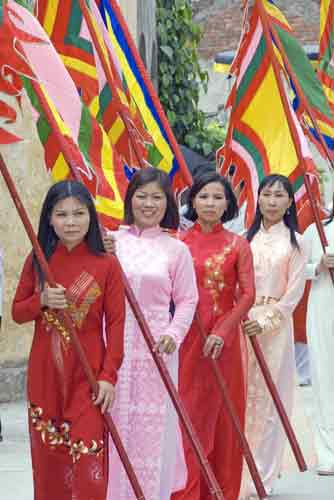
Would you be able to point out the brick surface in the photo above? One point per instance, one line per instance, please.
(221, 23)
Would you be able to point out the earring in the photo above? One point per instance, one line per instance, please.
(288, 212)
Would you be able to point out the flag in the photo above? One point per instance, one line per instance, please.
(141, 109)
(310, 86)
(259, 140)
(11, 65)
(326, 49)
(68, 131)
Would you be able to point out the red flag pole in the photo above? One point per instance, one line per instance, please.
(208, 474)
(210, 478)
(66, 320)
(234, 417)
(153, 94)
(279, 405)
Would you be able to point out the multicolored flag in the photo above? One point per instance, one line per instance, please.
(259, 140)
(310, 96)
(72, 138)
(11, 66)
(69, 32)
(326, 49)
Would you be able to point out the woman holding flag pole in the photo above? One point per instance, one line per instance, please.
(67, 432)
(280, 271)
(225, 278)
(160, 271)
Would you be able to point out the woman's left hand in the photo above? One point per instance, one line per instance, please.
(106, 395)
(165, 345)
(252, 327)
(213, 346)
(109, 242)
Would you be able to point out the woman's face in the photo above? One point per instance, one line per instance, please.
(149, 204)
(210, 203)
(70, 220)
(273, 202)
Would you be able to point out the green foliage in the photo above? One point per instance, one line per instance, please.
(28, 4)
(181, 77)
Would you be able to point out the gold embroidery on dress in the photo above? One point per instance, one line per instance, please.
(53, 321)
(55, 436)
(78, 448)
(50, 434)
(81, 295)
(214, 277)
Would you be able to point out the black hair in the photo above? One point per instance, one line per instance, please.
(199, 183)
(145, 176)
(46, 234)
(290, 216)
(330, 217)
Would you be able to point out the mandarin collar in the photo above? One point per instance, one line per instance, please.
(150, 232)
(280, 227)
(79, 249)
(217, 228)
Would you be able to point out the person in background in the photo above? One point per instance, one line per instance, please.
(67, 433)
(320, 336)
(280, 266)
(225, 279)
(1, 307)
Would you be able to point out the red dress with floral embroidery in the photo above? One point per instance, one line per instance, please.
(225, 279)
(68, 439)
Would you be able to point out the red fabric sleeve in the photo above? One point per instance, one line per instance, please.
(27, 301)
(227, 326)
(114, 309)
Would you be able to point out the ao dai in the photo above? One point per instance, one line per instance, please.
(160, 272)
(279, 282)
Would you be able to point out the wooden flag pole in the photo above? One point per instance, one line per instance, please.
(208, 474)
(278, 404)
(234, 417)
(210, 478)
(66, 320)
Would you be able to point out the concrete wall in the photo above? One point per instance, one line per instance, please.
(146, 36)
(25, 161)
(129, 10)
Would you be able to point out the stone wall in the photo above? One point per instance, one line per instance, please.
(26, 164)
(221, 22)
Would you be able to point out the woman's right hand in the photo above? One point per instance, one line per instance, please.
(54, 297)
(326, 262)
(252, 327)
(109, 242)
